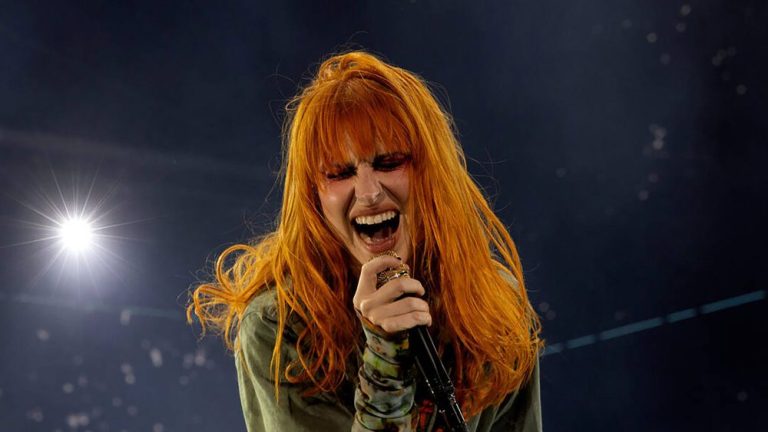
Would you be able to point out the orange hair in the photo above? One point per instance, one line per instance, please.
(461, 252)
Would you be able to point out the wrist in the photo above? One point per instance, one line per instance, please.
(392, 347)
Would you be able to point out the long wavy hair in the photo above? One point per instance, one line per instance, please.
(461, 252)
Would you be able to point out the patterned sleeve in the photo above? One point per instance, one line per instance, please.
(384, 399)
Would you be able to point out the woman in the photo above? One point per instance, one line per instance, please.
(374, 178)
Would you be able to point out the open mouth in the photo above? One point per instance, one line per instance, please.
(378, 230)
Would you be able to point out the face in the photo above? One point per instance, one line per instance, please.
(365, 202)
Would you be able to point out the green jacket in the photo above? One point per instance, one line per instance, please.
(519, 412)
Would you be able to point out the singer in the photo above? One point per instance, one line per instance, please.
(381, 230)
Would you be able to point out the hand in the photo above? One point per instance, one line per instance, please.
(383, 307)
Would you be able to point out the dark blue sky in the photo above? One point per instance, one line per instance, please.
(623, 143)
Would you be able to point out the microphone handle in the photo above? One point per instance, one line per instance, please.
(438, 381)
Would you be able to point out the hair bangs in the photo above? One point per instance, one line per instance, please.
(355, 120)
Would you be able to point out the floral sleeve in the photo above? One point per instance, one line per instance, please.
(384, 399)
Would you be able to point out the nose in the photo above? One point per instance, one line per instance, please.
(367, 186)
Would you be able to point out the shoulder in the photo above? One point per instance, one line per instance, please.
(260, 316)
(257, 330)
(257, 333)
(256, 340)
(509, 278)
(262, 306)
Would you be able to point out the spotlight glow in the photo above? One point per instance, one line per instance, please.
(76, 234)
(71, 231)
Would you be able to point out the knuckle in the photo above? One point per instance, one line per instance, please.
(424, 318)
(415, 303)
(402, 286)
(373, 317)
(367, 267)
(417, 319)
(415, 286)
(363, 307)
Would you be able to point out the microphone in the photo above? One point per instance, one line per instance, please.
(428, 361)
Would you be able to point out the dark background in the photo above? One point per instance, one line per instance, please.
(623, 142)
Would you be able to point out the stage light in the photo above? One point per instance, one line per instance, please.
(76, 234)
(71, 231)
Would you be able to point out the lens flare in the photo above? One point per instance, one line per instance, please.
(70, 232)
(76, 235)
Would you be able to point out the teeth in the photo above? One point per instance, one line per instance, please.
(379, 218)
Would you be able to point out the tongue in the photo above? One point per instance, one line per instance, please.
(381, 235)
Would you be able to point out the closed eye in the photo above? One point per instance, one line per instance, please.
(390, 161)
(385, 162)
(340, 175)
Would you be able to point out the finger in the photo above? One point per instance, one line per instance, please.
(405, 321)
(400, 307)
(388, 293)
(367, 283)
(399, 287)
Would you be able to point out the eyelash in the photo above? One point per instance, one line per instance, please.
(339, 176)
(387, 165)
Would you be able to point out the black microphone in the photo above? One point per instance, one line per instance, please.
(428, 361)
